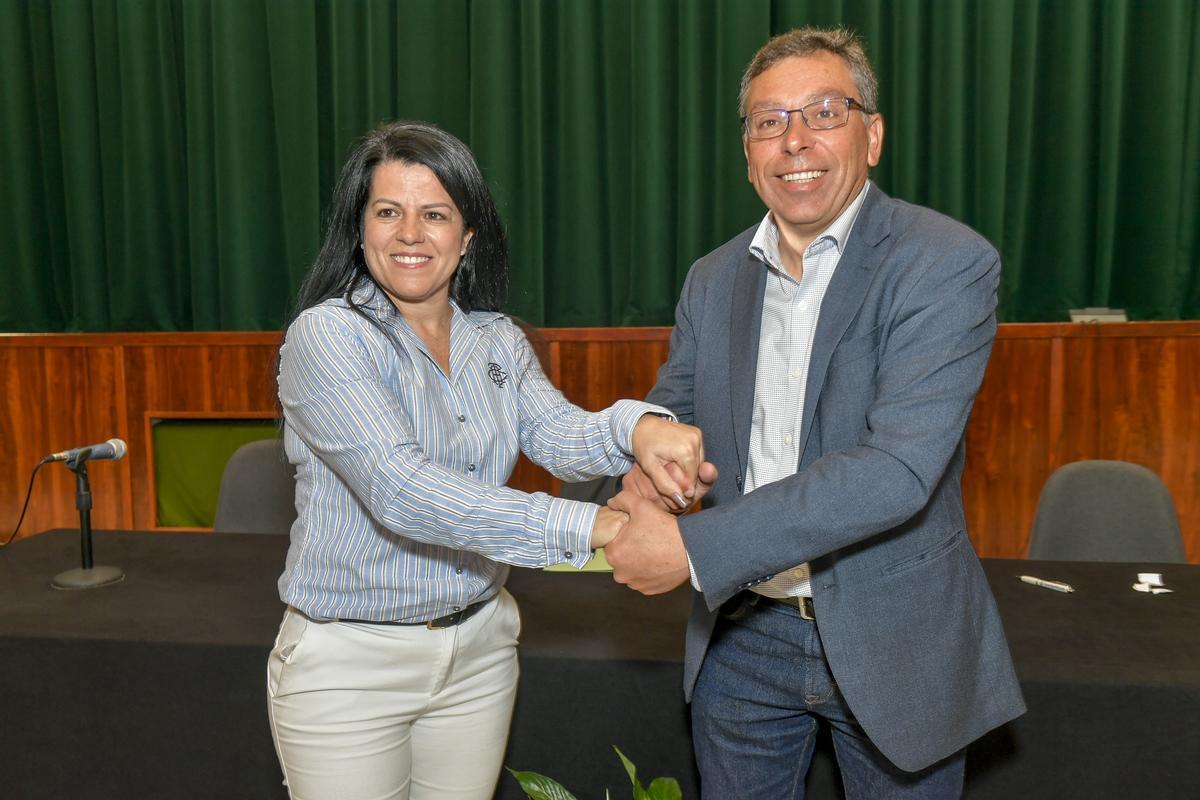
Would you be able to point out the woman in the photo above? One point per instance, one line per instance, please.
(406, 398)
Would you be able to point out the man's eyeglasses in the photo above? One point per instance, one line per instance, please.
(823, 115)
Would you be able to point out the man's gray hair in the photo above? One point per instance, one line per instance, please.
(806, 42)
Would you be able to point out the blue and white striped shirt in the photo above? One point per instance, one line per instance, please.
(402, 509)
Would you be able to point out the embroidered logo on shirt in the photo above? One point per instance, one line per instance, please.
(497, 375)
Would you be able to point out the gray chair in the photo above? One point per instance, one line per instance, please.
(1105, 511)
(258, 490)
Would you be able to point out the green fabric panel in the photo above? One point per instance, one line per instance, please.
(189, 458)
(166, 163)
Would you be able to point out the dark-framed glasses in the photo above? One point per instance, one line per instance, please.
(823, 115)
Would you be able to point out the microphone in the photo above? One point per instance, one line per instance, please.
(112, 450)
(88, 576)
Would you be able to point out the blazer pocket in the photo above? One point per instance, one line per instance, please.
(856, 348)
(925, 556)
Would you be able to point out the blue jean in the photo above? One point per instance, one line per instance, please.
(763, 688)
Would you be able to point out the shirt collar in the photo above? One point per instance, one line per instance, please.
(765, 244)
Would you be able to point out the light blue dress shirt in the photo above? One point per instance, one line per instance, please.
(402, 510)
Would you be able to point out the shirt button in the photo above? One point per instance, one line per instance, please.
(795, 373)
(569, 554)
(458, 608)
(787, 439)
(470, 467)
(461, 418)
(804, 305)
(458, 571)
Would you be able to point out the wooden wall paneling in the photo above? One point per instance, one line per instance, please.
(177, 379)
(59, 396)
(596, 374)
(1012, 439)
(1149, 388)
(1081, 410)
(1053, 393)
(594, 367)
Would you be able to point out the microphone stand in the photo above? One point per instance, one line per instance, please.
(88, 576)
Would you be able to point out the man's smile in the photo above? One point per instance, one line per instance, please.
(803, 177)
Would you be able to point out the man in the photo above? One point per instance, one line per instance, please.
(831, 356)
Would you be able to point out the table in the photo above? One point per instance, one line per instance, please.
(1111, 679)
(155, 687)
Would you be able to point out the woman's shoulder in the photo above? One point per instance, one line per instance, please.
(487, 319)
(493, 325)
(508, 339)
(328, 314)
(329, 322)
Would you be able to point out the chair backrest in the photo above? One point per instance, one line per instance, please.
(258, 491)
(1105, 511)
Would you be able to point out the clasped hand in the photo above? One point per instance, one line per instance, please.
(670, 457)
(647, 553)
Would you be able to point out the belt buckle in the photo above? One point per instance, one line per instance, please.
(448, 621)
(805, 606)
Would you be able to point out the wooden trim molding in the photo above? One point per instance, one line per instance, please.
(1053, 393)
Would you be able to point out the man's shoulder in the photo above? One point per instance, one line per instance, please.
(924, 227)
(733, 251)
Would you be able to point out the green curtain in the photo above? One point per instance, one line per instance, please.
(165, 164)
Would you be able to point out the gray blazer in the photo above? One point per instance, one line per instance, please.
(908, 622)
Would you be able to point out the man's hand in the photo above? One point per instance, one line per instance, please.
(648, 553)
(636, 481)
(657, 443)
(608, 523)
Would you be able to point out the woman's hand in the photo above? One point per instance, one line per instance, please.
(636, 481)
(608, 523)
(670, 455)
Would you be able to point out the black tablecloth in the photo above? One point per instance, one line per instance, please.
(1111, 679)
(155, 687)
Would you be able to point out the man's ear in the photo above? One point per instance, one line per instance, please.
(874, 140)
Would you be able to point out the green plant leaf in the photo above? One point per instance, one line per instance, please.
(638, 792)
(664, 789)
(539, 787)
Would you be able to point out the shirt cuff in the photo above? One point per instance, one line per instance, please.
(625, 416)
(569, 526)
(692, 574)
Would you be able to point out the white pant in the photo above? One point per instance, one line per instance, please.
(389, 712)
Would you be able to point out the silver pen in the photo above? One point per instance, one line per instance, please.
(1057, 586)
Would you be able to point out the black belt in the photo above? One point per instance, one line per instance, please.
(802, 604)
(448, 621)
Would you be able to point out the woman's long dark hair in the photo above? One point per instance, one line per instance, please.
(482, 276)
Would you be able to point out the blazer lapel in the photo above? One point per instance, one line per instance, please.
(745, 322)
(845, 295)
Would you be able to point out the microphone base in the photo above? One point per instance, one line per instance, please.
(90, 578)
